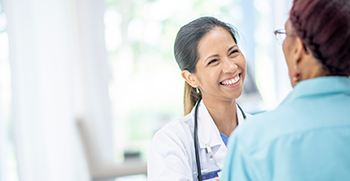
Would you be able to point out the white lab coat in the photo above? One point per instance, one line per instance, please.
(172, 153)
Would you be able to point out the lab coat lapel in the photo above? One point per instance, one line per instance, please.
(208, 134)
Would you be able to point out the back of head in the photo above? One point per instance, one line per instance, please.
(324, 27)
(186, 51)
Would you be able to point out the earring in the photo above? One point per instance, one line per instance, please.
(295, 75)
(197, 90)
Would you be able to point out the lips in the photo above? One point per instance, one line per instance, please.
(231, 81)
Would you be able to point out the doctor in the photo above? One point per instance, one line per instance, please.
(214, 69)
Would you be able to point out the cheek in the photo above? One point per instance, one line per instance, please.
(284, 48)
(286, 53)
(243, 65)
(213, 75)
(242, 61)
(207, 78)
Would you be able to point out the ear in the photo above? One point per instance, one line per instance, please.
(190, 78)
(300, 51)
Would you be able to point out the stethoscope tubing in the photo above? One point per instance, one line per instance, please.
(196, 144)
(195, 138)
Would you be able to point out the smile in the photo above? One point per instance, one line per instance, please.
(231, 81)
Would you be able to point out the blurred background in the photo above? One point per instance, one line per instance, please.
(85, 84)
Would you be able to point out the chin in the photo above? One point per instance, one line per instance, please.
(237, 94)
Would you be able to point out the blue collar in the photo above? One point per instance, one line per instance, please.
(224, 138)
(320, 86)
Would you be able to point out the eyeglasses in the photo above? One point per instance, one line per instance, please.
(281, 35)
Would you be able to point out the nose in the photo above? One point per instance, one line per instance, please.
(229, 66)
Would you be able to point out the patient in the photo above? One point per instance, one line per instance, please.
(308, 136)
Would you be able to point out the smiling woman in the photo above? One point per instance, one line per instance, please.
(139, 36)
(220, 70)
(214, 69)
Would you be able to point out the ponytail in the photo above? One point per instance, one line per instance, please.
(190, 98)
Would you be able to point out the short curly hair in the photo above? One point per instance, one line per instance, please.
(324, 27)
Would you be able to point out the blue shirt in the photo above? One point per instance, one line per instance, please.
(306, 138)
(224, 138)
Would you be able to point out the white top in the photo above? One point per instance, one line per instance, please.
(172, 153)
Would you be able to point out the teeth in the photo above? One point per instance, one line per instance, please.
(232, 81)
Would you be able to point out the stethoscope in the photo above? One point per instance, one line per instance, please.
(195, 138)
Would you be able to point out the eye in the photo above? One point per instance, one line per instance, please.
(234, 51)
(213, 61)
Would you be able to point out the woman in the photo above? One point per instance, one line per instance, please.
(214, 69)
(308, 136)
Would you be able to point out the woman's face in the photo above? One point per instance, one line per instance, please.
(220, 70)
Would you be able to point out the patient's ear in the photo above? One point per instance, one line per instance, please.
(190, 78)
(300, 51)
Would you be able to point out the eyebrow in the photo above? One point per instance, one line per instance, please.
(231, 48)
(216, 55)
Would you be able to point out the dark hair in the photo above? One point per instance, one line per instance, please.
(186, 50)
(324, 27)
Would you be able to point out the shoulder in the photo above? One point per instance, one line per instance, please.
(170, 155)
(177, 126)
(265, 127)
(176, 132)
(252, 140)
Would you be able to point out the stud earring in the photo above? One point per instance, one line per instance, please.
(197, 90)
(296, 75)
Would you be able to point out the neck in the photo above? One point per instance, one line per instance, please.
(223, 113)
(312, 68)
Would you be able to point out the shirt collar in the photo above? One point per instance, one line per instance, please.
(320, 86)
